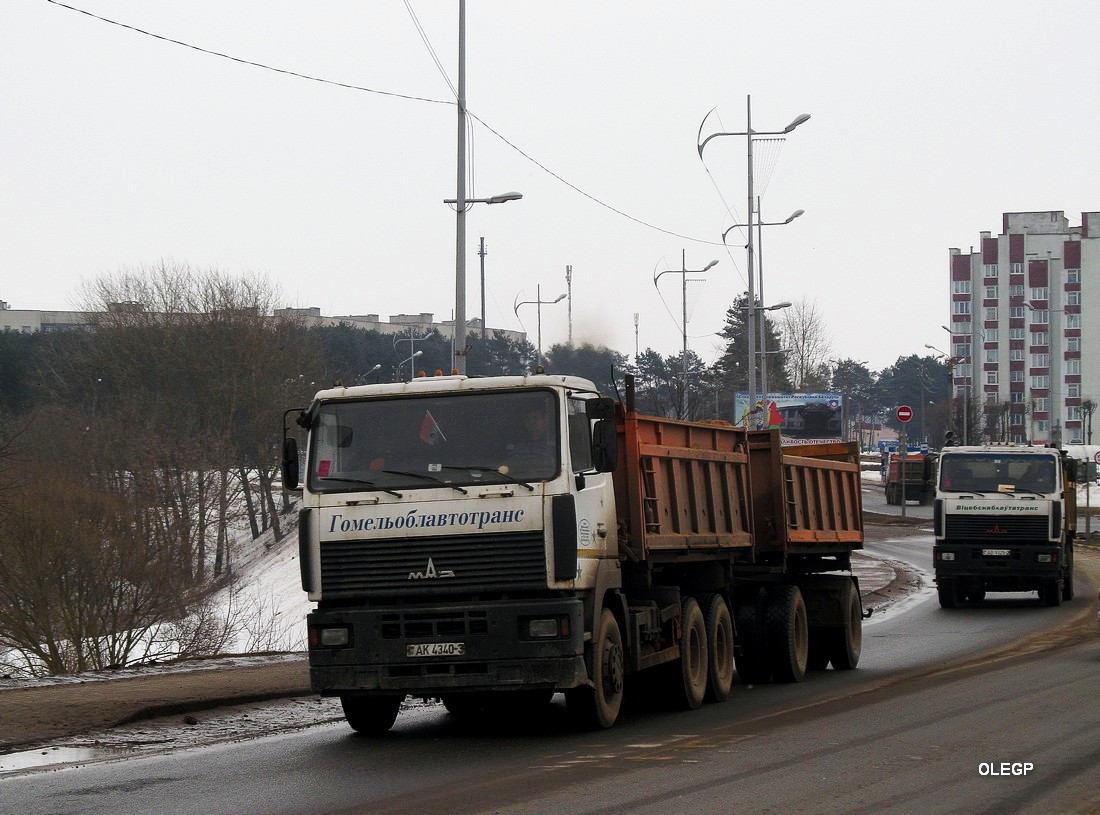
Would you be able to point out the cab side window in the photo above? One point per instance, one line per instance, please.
(580, 437)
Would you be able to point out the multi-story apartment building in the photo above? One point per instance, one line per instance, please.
(1023, 306)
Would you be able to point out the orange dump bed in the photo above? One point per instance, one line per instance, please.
(694, 490)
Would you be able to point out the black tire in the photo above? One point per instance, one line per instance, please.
(788, 633)
(847, 641)
(948, 592)
(751, 656)
(371, 715)
(719, 625)
(597, 706)
(693, 655)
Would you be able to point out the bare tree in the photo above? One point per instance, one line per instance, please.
(87, 574)
(806, 335)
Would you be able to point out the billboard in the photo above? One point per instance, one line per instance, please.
(799, 417)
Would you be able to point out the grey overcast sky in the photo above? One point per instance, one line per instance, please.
(119, 150)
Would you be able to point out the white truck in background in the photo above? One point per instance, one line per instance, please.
(1005, 518)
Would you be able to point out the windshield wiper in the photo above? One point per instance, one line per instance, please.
(362, 481)
(507, 476)
(429, 477)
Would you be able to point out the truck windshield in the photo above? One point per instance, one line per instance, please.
(1001, 472)
(408, 443)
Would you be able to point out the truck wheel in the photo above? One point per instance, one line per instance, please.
(719, 626)
(752, 655)
(371, 715)
(788, 634)
(597, 707)
(890, 496)
(847, 641)
(693, 654)
(948, 593)
(1051, 593)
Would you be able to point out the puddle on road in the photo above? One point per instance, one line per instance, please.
(45, 757)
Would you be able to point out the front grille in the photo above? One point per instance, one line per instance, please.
(435, 625)
(997, 529)
(438, 565)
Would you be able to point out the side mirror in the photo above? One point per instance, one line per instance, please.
(290, 464)
(1072, 472)
(602, 407)
(605, 446)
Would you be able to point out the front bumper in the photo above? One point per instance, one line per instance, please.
(995, 562)
(496, 652)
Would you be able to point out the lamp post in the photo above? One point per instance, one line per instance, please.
(412, 368)
(968, 376)
(412, 341)
(950, 360)
(462, 203)
(750, 135)
(539, 303)
(362, 378)
(684, 271)
(763, 353)
(761, 326)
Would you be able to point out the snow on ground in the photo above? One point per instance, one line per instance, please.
(267, 592)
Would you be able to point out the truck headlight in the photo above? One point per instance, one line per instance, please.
(1044, 558)
(329, 637)
(947, 556)
(548, 628)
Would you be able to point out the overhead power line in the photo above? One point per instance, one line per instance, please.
(410, 97)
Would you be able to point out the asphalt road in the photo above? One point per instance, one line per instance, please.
(938, 696)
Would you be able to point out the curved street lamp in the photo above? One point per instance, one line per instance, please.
(539, 303)
(761, 327)
(412, 368)
(750, 135)
(461, 204)
(362, 378)
(684, 325)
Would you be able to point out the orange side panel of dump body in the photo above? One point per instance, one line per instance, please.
(709, 490)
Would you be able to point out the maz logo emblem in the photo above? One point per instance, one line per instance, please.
(431, 573)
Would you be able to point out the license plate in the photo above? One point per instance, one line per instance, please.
(995, 553)
(435, 649)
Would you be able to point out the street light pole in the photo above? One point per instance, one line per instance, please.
(750, 134)
(412, 366)
(459, 334)
(539, 303)
(684, 271)
(412, 341)
(462, 203)
(762, 326)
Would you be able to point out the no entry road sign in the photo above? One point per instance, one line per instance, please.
(904, 413)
